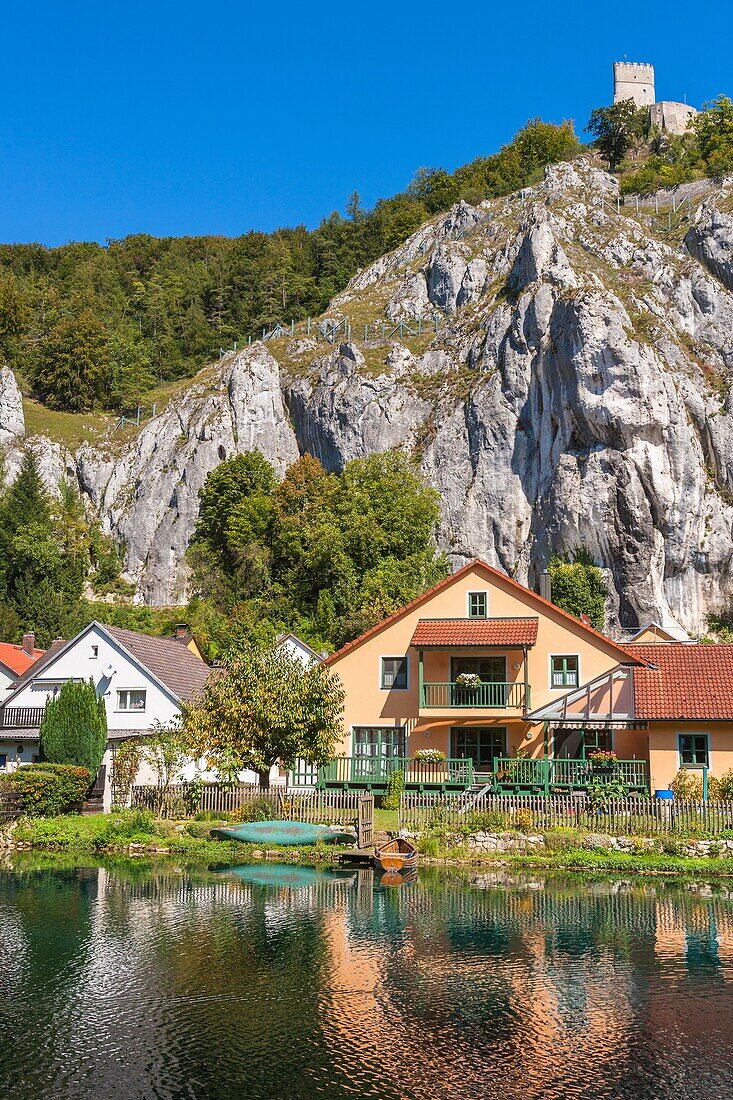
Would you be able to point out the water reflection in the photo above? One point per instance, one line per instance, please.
(148, 981)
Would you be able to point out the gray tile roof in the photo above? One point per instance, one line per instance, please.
(182, 672)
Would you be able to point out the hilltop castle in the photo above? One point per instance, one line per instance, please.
(632, 80)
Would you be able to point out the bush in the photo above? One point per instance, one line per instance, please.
(127, 826)
(726, 785)
(520, 820)
(687, 786)
(258, 809)
(485, 821)
(74, 727)
(49, 789)
(395, 787)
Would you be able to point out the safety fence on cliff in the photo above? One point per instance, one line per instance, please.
(617, 816)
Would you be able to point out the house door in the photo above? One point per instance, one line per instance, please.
(490, 671)
(374, 748)
(482, 744)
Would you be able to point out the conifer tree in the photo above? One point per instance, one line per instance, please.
(74, 727)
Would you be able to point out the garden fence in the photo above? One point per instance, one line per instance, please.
(186, 800)
(618, 816)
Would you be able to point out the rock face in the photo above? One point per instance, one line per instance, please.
(577, 393)
(12, 422)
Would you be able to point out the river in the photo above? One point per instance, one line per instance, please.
(135, 980)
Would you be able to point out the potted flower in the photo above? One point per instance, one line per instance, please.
(603, 762)
(430, 763)
(468, 680)
(430, 756)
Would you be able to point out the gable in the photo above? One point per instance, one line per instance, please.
(506, 599)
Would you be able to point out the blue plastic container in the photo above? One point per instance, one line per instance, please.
(664, 794)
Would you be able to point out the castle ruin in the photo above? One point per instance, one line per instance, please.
(633, 80)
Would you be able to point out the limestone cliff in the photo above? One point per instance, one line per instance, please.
(577, 392)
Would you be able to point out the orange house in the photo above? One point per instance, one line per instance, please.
(515, 693)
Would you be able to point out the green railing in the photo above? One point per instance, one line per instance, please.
(568, 774)
(375, 771)
(486, 696)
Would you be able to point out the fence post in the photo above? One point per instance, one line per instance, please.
(138, 416)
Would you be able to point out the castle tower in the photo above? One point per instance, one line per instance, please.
(633, 81)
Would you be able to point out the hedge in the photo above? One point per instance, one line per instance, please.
(48, 789)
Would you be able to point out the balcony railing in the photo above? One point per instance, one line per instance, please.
(21, 718)
(375, 771)
(487, 696)
(568, 774)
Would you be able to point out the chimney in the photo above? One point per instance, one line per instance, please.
(181, 630)
(29, 644)
(546, 586)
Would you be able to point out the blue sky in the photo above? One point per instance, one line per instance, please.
(192, 118)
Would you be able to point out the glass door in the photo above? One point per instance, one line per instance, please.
(491, 690)
(482, 744)
(374, 748)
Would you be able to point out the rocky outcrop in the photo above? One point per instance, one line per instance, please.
(12, 422)
(576, 394)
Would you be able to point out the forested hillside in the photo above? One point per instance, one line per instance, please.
(95, 326)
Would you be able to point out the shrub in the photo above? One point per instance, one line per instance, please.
(49, 789)
(74, 727)
(521, 820)
(125, 766)
(485, 821)
(687, 786)
(395, 787)
(258, 809)
(726, 784)
(127, 826)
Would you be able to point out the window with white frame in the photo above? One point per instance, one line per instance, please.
(478, 605)
(394, 673)
(131, 699)
(564, 670)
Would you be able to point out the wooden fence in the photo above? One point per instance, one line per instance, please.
(186, 800)
(618, 816)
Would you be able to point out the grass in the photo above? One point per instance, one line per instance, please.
(69, 429)
(385, 821)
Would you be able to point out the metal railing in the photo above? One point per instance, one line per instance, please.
(485, 696)
(376, 771)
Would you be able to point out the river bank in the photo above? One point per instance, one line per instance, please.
(137, 834)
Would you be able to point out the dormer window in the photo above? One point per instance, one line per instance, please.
(478, 605)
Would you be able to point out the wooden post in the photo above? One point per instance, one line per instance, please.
(421, 699)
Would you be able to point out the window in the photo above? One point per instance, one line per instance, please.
(394, 673)
(564, 672)
(478, 605)
(94, 653)
(35, 759)
(3, 759)
(131, 699)
(693, 749)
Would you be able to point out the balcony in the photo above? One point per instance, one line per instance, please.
(518, 773)
(375, 771)
(484, 696)
(21, 718)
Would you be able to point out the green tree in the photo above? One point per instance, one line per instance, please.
(578, 586)
(72, 363)
(266, 708)
(616, 128)
(74, 727)
(713, 130)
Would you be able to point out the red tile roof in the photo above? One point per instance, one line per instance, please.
(16, 659)
(463, 632)
(683, 680)
(533, 597)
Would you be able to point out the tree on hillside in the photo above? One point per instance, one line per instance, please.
(74, 727)
(266, 708)
(616, 128)
(713, 129)
(578, 586)
(72, 366)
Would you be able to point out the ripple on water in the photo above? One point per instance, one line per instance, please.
(126, 985)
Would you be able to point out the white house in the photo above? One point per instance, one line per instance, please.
(142, 679)
(299, 650)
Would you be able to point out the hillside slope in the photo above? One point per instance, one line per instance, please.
(577, 392)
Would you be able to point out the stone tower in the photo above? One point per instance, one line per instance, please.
(633, 81)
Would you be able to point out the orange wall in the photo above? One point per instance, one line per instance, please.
(664, 755)
(360, 668)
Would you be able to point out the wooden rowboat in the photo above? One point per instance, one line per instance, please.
(396, 855)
